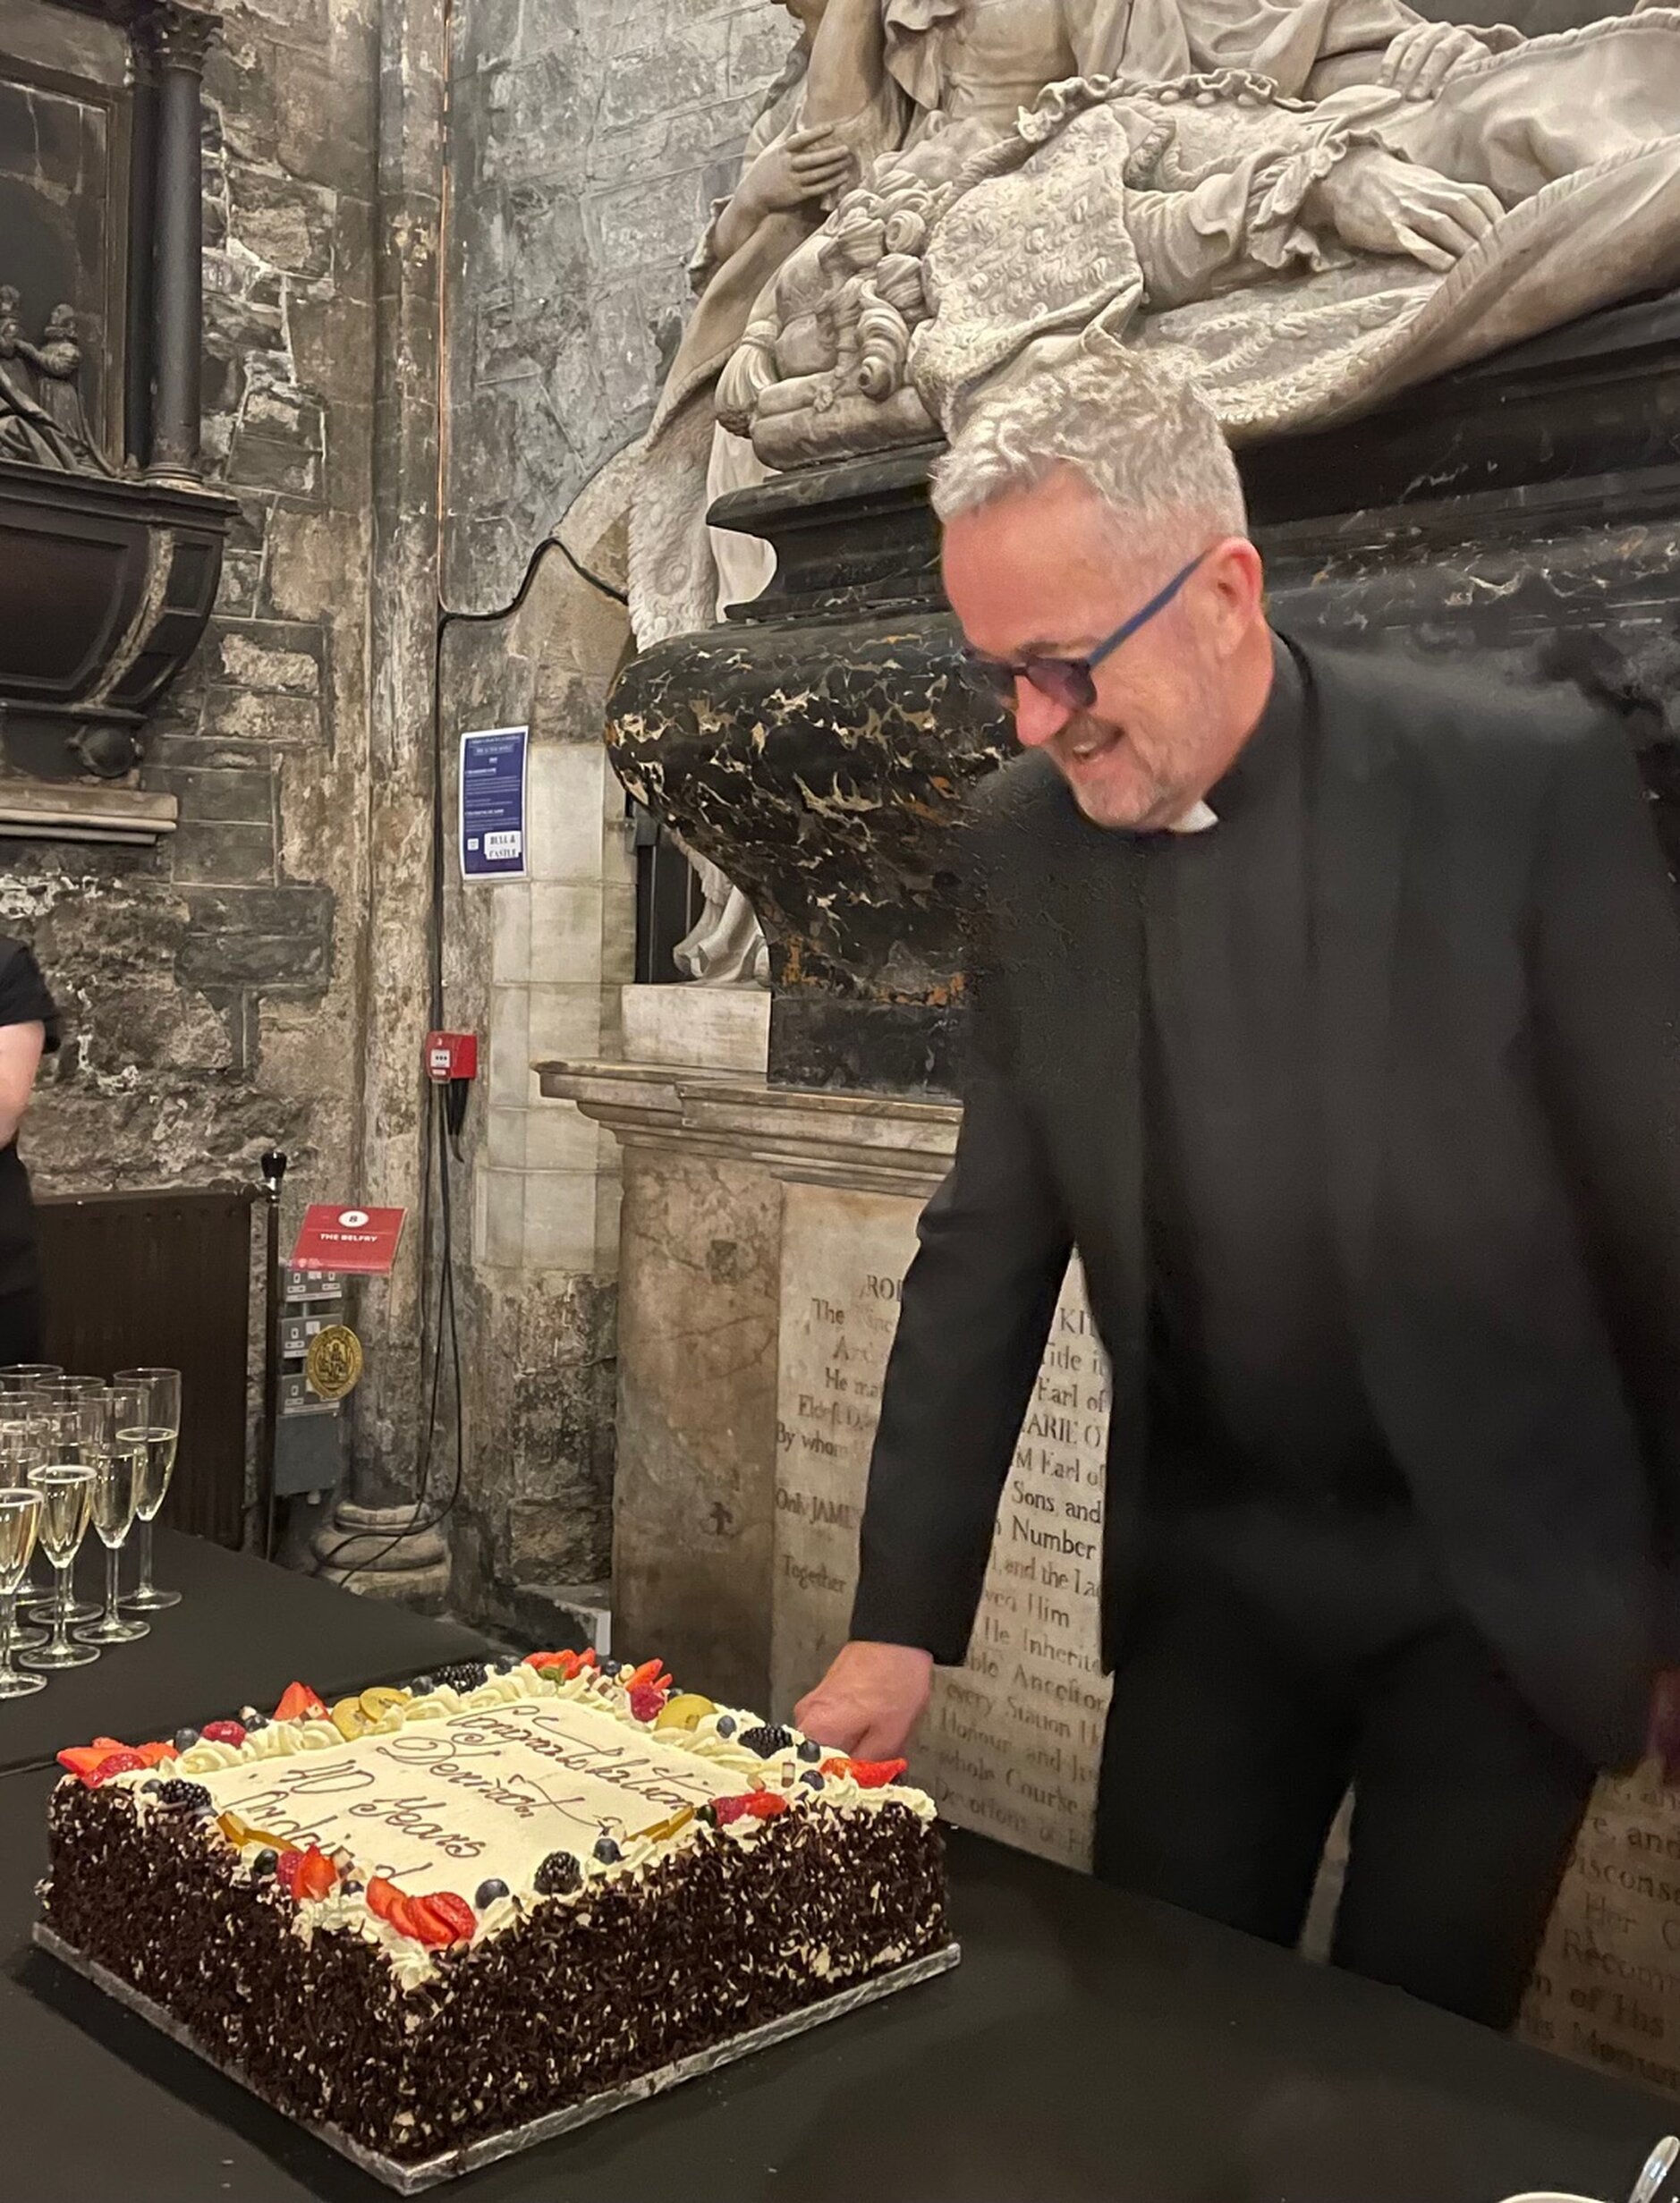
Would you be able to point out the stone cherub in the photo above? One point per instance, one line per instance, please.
(45, 425)
(57, 363)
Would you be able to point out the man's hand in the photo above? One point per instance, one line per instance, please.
(803, 166)
(1419, 61)
(1378, 203)
(869, 1700)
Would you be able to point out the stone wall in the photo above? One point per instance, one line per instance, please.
(588, 139)
(211, 986)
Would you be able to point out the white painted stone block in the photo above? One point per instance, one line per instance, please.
(558, 1136)
(505, 1139)
(567, 817)
(510, 934)
(705, 1028)
(510, 1082)
(560, 1219)
(505, 1218)
(565, 1021)
(565, 931)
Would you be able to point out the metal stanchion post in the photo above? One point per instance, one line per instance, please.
(274, 1171)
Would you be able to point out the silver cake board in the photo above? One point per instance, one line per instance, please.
(411, 2178)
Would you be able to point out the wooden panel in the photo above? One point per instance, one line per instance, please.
(163, 1277)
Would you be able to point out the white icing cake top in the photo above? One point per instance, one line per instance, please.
(442, 1804)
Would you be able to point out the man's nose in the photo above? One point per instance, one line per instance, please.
(1038, 717)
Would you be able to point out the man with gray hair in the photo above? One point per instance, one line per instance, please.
(1328, 1006)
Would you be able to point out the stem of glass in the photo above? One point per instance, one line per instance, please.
(8, 1617)
(145, 1529)
(113, 1555)
(61, 1607)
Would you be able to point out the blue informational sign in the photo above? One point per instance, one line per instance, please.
(493, 804)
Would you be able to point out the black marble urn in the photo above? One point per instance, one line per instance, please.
(818, 746)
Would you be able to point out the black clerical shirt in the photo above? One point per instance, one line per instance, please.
(1254, 1386)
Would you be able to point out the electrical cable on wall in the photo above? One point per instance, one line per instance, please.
(438, 1120)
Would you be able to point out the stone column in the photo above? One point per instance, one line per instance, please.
(142, 244)
(364, 1542)
(182, 38)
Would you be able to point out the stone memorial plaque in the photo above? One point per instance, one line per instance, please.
(1607, 1989)
(1012, 1741)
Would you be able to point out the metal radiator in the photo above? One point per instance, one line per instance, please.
(163, 1278)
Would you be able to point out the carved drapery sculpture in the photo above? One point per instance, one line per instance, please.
(1314, 255)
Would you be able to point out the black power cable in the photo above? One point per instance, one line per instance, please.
(420, 1522)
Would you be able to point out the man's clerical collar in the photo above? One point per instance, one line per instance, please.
(1258, 758)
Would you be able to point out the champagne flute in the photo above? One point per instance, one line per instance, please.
(160, 1423)
(117, 1467)
(66, 1490)
(59, 1434)
(23, 1447)
(20, 1518)
(16, 1376)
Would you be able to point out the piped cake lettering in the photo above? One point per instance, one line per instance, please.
(516, 1782)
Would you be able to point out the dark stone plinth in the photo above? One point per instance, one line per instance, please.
(820, 745)
(106, 587)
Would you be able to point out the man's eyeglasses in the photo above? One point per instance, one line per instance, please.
(1067, 680)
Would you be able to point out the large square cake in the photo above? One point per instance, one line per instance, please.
(422, 1918)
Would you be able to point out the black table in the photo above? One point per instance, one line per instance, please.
(243, 1629)
(1090, 2049)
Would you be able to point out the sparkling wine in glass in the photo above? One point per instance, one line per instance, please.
(116, 1476)
(19, 1519)
(38, 1424)
(161, 1422)
(66, 1494)
(23, 1447)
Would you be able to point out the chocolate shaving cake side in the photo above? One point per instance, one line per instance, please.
(716, 1938)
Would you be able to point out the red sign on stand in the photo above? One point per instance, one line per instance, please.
(363, 1239)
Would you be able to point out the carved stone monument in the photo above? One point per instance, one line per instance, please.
(110, 545)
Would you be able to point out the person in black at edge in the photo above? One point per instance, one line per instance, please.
(1329, 1006)
(29, 1028)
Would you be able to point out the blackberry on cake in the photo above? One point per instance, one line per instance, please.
(463, 1676)
(767, 1740)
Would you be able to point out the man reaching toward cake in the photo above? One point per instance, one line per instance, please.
(1327, 1007)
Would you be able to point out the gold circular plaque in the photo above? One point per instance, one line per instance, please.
(333, 1364)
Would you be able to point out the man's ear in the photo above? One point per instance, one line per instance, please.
(1238, 577)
